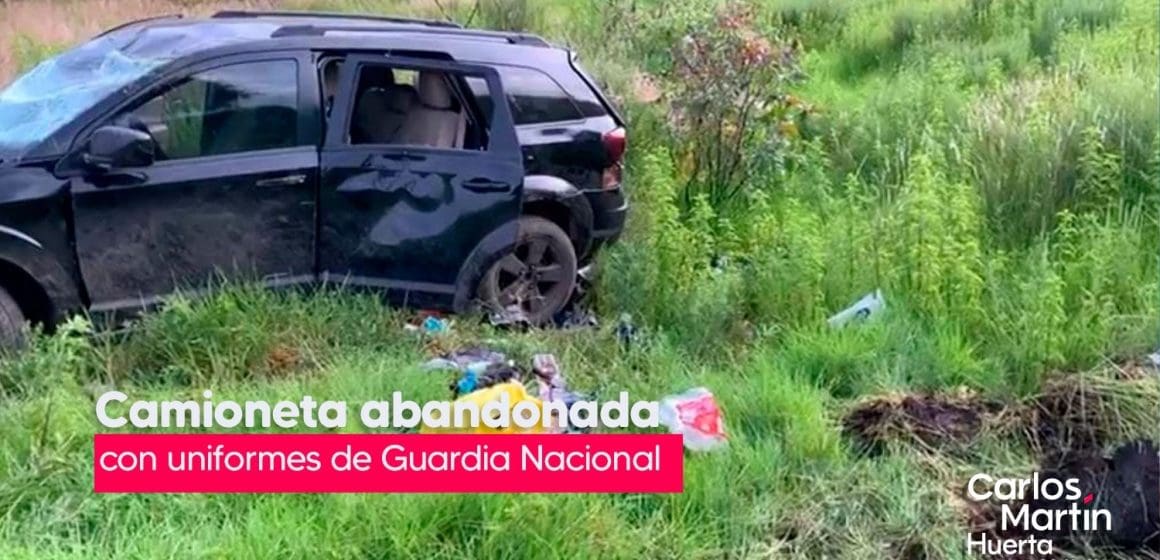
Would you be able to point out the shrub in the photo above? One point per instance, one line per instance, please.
(730, 105)
(506, 15)
(1091, 15)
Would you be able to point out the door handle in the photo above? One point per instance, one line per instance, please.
(287, 181)
(481, 185)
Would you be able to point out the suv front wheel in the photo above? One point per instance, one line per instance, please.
(538, 276)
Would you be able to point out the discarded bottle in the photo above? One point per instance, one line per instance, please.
(695, 415)
(870, 304)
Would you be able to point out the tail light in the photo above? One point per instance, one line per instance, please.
(615, 145)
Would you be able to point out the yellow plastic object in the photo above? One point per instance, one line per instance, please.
(515, 392)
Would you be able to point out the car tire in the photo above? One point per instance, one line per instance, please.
(539, 275)
(11, 322)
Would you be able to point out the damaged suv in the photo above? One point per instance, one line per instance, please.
(300, 148)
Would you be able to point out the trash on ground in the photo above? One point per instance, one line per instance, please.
(479, 370)
(553, 387)
(482, 375)
(515, 392)
(576, 313)
(510, 317)
(575, 318)
(434, 325)
(466, 384)
(863, 309)
(429, 322)
(547, 371)
(462, 359)
(1154, 359)
(695, 415)
(626, 332)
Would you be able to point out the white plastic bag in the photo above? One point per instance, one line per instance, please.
(695, 415)
(870, 304)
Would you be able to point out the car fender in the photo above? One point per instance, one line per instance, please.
(548, 188)
(26, 253)
(490, 249)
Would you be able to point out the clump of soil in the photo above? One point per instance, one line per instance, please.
(1127, 485)
(1069, 426)
(1131, 493)
(932, 422)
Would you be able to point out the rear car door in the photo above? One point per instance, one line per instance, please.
(415, 176)
(231, 195)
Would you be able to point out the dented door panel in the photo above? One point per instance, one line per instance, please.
(414, 218)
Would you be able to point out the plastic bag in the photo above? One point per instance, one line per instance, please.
(553, 387)
(869, 305)
(515, 392)
(695, 415)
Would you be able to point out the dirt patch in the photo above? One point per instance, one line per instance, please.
(1131, 492)
(283, 359)
(932, 422)
(1069, 426)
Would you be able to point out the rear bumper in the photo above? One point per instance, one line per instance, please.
(609, 211)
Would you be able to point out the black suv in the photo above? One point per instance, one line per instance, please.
(300, 148)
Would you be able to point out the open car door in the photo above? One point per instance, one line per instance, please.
(417, 182)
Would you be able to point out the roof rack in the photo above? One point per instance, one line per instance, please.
(333, 15)
(136, 21)
(315, 30)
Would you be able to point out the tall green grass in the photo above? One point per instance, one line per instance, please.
(992, 167)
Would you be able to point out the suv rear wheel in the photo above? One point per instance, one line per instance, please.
(11, 322)
(538, 276)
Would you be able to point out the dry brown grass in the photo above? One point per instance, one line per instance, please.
(66, 23)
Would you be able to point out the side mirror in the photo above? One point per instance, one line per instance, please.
(115, 147)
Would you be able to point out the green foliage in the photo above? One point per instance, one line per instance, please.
(506, 15)
(992, 167)
(60, 360)
(729, 104)
(1044, 35)
(1091, 15)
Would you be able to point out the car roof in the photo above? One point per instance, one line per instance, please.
(257, 26)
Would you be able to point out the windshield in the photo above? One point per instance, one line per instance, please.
(59, 89)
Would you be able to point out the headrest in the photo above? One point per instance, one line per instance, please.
(379, 78)
(433, 91)
(400, 98)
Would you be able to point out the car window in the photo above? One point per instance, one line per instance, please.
(533, 96)
(239, 108)
(415, 108)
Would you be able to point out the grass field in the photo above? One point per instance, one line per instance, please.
(993, 166)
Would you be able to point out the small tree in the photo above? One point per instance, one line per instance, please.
(731, 111)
